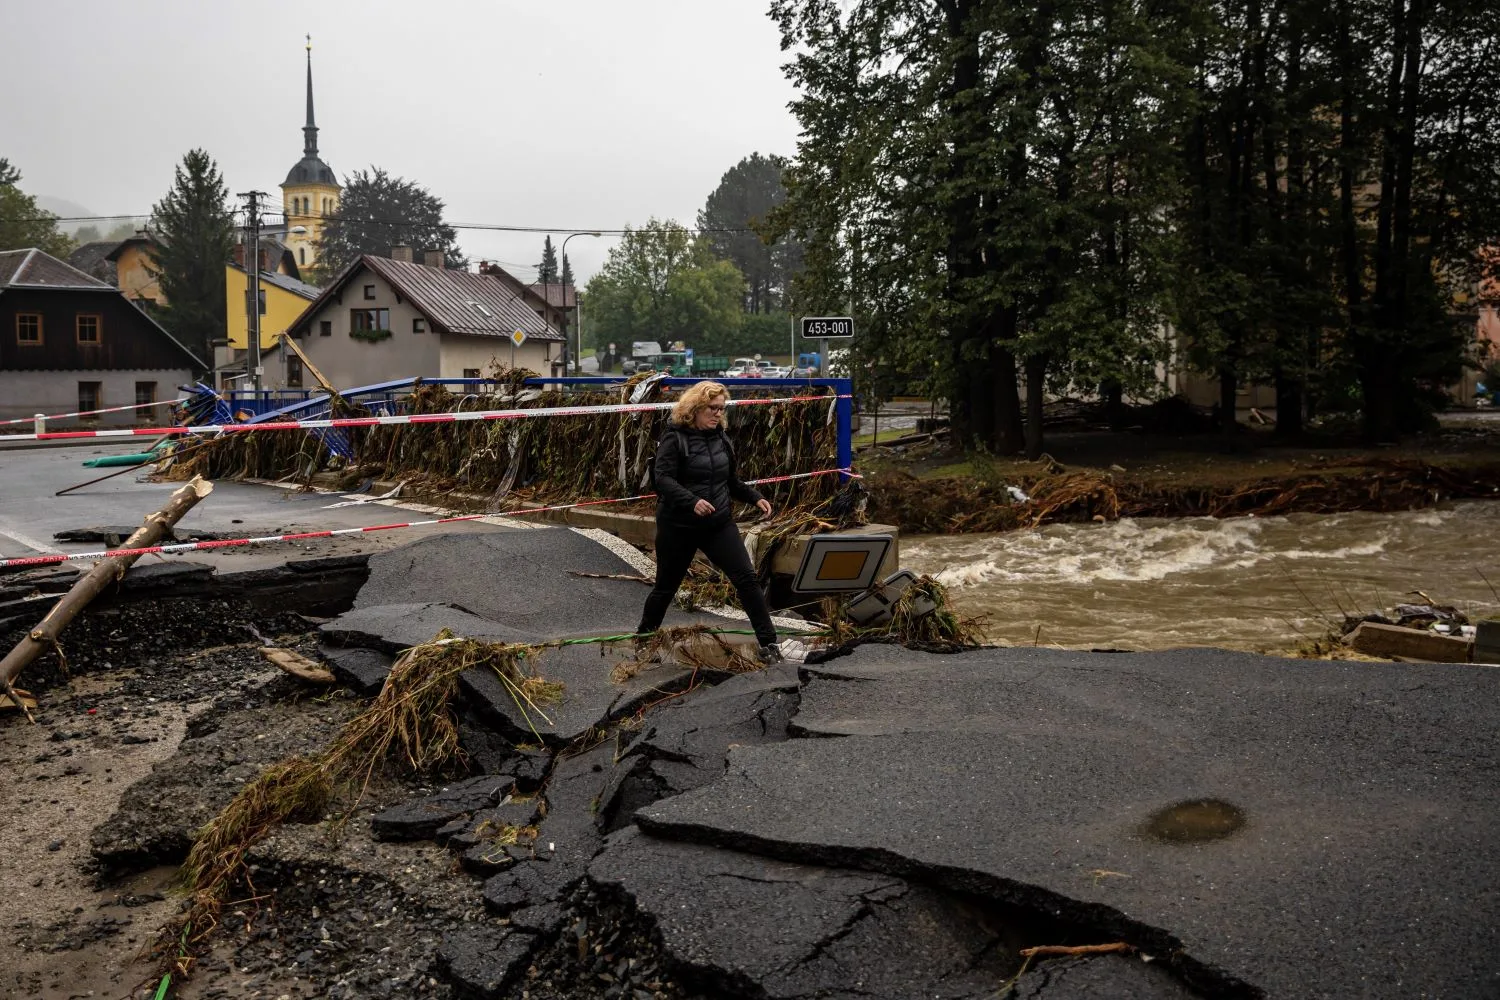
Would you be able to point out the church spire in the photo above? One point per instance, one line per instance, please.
(310, 130)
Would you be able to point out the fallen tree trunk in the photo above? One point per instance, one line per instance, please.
(107, 571)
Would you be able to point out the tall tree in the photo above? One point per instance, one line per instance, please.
(377, 212)
(661, 283)
(732, 221)
(546, 271)
(984, 183)
(194, 233)
(567, 271)
(22, 224)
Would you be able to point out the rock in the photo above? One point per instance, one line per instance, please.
(1409, 643)
(396, 627)
(364, 670)
(420, 819)
(1227, 808)
(544, 920)
(484, 963)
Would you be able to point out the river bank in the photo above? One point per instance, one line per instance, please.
(1099, 476)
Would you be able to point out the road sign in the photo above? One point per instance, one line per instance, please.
(518, 338)
(827, 327)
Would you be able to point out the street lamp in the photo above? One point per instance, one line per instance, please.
(546, 294)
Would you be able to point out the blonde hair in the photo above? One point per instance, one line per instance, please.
(694, 399)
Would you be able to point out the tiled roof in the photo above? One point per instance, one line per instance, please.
(93, 258)
(287, 282)
(557, 296)
(454, 301)
(35, 269)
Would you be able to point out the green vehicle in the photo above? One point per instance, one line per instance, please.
(676, 363)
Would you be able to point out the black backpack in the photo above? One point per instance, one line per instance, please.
(682, 450)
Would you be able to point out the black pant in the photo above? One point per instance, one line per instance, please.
(675, 548)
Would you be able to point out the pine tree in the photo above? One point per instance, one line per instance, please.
(377, 212)
(194, 234)
(567, 271)
(546, 271)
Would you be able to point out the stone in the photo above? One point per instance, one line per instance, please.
(364, 670)
(1374, 639)
(484, 963)
(420, 819)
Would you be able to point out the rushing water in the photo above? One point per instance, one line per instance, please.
(1243, 583)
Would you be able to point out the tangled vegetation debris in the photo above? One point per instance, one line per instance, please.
(411, 723)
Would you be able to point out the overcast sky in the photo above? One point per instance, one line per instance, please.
(572, 114)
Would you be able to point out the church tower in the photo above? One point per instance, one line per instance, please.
(311, 192)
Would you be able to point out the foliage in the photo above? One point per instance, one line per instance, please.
(983, 183)
(546, 271)
(661, 283)
(370, 336)
(91, 234)
(730, 222)
(22, 224)
(377, 212)
(567, 271)
(194, 234)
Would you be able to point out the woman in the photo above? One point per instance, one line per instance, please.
(697, 483)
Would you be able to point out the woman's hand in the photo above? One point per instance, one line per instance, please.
(703, 508)
(764, 506)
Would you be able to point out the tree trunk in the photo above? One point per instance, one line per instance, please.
(1228, 402)
(1288, 404)
(107, 571)
(1114, 404)
(1036, 380)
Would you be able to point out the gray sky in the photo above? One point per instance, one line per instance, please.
(571, 113)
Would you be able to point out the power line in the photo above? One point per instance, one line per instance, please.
(483, 226)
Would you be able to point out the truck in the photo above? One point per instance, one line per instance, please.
(682, 364)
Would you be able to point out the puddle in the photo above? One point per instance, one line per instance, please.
(1195, 822)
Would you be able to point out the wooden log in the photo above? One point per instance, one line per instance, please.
(298, 665)
(106, 571)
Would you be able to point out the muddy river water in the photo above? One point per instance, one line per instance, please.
(1243, 583)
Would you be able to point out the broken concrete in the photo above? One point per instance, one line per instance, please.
(392, 628)
(589, 697)
(1391, 641)
(364, 670)
(1029, 776)
(485, 963)
(420, 819)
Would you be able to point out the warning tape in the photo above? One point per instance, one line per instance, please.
(90, 413)
(405, 418)
(53, 559)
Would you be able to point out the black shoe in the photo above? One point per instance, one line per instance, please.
(771, 654)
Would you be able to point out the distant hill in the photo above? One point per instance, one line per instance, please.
(66, 209)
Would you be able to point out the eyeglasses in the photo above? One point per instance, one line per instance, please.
(716, 409)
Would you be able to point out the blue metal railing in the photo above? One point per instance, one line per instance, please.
(384, 397)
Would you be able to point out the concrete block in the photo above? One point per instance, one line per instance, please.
(1374, 639)
(1487, 641)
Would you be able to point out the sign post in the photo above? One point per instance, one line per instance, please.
(516, 340)
(823, 329)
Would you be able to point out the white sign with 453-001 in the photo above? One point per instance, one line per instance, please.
(819, 327)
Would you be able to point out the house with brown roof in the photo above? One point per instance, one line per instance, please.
(69, 341)
(382, 319)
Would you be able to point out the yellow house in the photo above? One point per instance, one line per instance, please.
(283, 299)
(310, 192)
(133, 271)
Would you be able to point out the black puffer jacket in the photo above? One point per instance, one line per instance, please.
(707, 471)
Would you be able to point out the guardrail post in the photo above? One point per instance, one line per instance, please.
(844, 409)
(40, 420)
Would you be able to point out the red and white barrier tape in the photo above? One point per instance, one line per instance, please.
(53, 559)
(90, 413)
(405, 418)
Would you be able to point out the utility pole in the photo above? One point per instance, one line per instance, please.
(252, 295)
